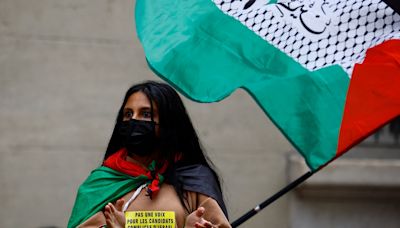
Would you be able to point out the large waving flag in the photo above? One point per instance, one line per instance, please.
(327, 73)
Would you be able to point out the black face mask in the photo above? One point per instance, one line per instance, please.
(139, 136)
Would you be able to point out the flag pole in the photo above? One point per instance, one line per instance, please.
(271, 199)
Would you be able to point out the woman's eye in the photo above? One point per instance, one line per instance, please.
(147, 114)
(128, 115)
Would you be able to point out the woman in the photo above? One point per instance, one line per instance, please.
(153, 162)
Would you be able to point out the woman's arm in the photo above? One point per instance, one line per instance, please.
(112, 216)
(96, 221)
(208, 211)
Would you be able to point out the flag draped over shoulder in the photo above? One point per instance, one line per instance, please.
(327, 73)
(104, 185)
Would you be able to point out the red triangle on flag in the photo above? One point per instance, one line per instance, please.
(373, 98)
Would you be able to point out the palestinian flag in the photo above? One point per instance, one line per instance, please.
(327, 73)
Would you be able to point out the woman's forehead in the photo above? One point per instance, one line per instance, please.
(139, 100)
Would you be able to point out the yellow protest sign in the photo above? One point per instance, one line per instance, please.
(150, 219)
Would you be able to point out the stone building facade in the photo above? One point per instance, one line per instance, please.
(64, 68)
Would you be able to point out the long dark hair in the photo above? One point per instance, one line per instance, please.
(178, 137)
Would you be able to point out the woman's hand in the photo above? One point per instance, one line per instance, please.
(196, 220)
(115, 217)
